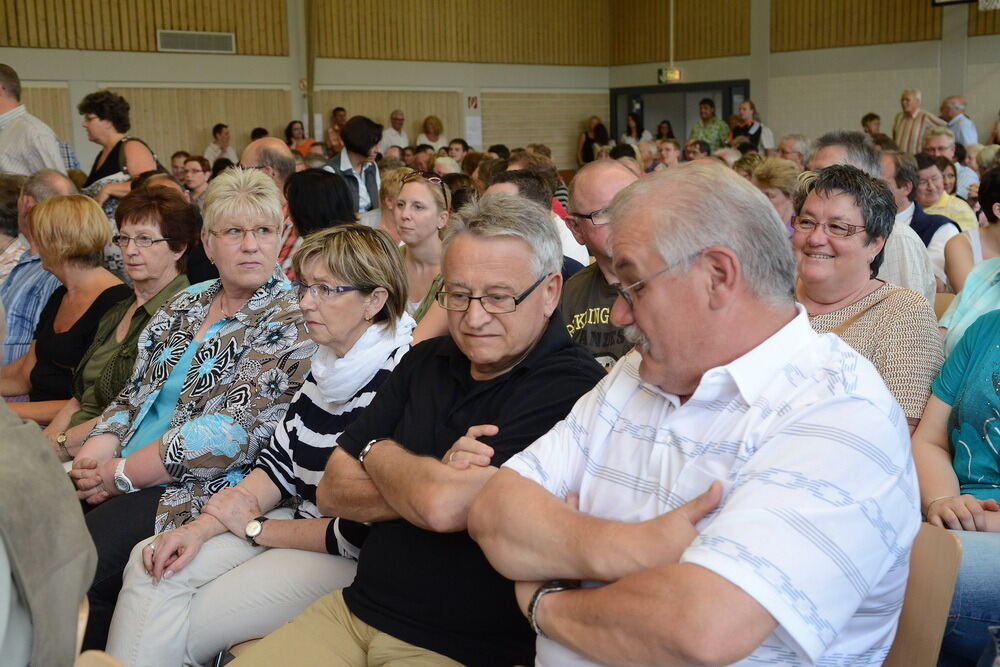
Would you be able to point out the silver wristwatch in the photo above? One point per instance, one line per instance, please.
(122, 482)
(253, 530)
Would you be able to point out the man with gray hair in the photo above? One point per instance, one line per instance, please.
(28, 287)
(394, 135)
(26, 143)
(910, 124)
(454, 409)
(274, 158)
(953, 113)
(712, 501)
(906, 262)
(941, 141)
(794, 147)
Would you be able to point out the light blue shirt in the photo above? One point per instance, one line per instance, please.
(24, 295)
(964, 130)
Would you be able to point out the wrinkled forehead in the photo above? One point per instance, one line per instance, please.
(479, 262)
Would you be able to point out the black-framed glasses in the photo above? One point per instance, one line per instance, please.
(495, 304)
(836, 229)
(623, 292)
(141, 241)
(598, 218)
(430, 177)
(321, 291)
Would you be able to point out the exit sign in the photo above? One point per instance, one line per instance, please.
(668, 75)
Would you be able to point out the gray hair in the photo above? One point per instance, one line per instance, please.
(871, 195)
(860, 150)
(45, 184)
(282, 162)
(497, 215)
(932, 132)
(702, 204)
(801, 145)
(916, 93)
(395, 112)
(955, 102)
(238, 191)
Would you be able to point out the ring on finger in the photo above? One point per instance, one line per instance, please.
(451, 457)
(152, 547)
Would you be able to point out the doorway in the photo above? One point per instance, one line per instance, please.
(675, 102)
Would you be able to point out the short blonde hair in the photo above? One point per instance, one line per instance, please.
(776, 172)
(366, 258)
(238, 191)
(392, 183)
(435, 122)
(70, 228)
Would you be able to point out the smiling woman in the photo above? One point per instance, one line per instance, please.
(216, 368)
(843, 219)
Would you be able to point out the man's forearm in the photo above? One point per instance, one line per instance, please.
(346, 491)
(424, 491)
(677, 614)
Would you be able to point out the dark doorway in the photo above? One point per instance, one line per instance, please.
(675, 102)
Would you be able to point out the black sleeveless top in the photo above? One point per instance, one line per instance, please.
(58, 354)
(587, 153)
(111, 166)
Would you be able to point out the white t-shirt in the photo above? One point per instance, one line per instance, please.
(391, 137)
(820, 503)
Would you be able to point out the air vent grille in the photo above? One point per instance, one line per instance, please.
(185, 41)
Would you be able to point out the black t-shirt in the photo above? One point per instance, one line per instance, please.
(58, 354)
(437, 590)
(586, 305)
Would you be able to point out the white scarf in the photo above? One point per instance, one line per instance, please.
(340, 378)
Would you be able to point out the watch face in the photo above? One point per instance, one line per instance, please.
(253, 528)
(121, 484)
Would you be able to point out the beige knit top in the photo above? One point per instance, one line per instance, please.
(899, 336)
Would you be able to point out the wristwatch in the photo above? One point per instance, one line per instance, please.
(543, 590)
(253, 530)
(122, 482)
(61, 441)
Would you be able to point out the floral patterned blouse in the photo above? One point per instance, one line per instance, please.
(236, 391)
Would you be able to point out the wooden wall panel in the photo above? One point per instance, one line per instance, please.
(260, 26)
(51, 105)
(983, 23)
(172, 119)
(378, 104)
(798, 25)
(554, 32)
(640, 30)
(554, 119)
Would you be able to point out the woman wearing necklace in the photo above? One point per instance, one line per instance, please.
(843, 219)
(216, 369)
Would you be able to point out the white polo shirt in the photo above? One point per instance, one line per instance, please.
(820, 505)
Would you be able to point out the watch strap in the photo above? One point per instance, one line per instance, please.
(252, 539)
(120, 476)
(543, 590)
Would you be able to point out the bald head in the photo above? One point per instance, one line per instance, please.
(592, 189)
(273, 156)
(608, 176)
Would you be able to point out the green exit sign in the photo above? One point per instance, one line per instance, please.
(668, 75)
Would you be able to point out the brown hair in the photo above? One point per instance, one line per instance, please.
(166, 208)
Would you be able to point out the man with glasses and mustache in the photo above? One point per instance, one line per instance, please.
(739, 487)
(454, 409)
(588, 296)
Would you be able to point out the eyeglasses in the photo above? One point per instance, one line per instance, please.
(141, 241)
(836, 229)
(321, 291)
(234, 235)
(598, 218)
(623, 292)
(495, 304)
(428, 176)
(251, 166)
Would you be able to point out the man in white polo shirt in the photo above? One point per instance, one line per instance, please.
(744, 484)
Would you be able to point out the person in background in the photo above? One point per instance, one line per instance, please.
(634, 132)
(338, 118)
(696, 149)
(585, 144)
(316, 199)
(157, 229)
(356, 162)
(499, 151)
(710, 128)
(384, 217)
(432, 133)
(458, 149)
(26, 143)
(776, 178)
(953, 113)
(669, 153)
(422, 155)
(941, 141)
(258, 133)
(444, 165)
(219, 166)
(70, 233)
(220, 145)
(871, 124)
(664, 130)
(760, 138)
(911, 123)
(395, 134)
(177, 161)
(747, 163)
(12, 244)
(794, 147)
(196, 174)
(296, 139)
(423, 208)
(931, 194)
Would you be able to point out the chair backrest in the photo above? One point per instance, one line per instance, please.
(934, 563)
(941, 302)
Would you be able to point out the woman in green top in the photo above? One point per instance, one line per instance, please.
(157, 227)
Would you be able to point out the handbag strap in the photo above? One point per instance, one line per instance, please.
(846, 324)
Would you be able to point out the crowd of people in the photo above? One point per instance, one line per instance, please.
(697, 413)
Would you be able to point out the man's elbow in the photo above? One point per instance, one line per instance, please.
(440, 511)
(326, 498)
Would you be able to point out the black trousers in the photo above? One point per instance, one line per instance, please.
(116, 525)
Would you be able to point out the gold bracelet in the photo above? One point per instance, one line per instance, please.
(934, 501)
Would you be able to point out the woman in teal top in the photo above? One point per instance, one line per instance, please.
(955, 449)
(156, 229)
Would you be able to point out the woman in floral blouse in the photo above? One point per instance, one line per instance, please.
(216, 369)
